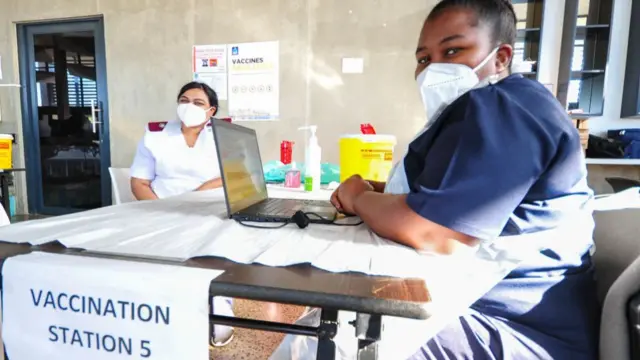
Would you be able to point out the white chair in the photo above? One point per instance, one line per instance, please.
(4, 218)
(617, 262)
(121, 185)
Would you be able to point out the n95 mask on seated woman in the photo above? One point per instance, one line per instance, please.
(191, 115)
(440, 84)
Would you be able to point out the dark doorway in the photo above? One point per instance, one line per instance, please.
(65, 117)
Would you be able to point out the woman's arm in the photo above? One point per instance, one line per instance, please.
(142, 172)
(142, 190)
(390, 217)
(210, 185)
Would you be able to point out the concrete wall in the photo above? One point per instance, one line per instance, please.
(148, 50)
(149, 47)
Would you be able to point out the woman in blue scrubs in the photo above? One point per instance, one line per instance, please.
(499, 157)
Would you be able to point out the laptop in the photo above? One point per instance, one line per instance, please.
(245, 187)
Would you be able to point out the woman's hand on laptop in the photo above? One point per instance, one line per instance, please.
(344, 197)
(334, 200)
(210, 184)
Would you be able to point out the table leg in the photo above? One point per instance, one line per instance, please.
(368, 332)
(4, 187)
(326, 332)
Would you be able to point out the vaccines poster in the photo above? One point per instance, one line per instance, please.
(254, 81)
(209, 64)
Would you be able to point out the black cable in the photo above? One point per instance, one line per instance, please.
(302, 220)
(320, 217)
(333, 221)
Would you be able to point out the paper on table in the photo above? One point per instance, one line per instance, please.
(194, 225)
(135, 308)
(173, 228)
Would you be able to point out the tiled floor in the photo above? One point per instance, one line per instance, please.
(252, 344)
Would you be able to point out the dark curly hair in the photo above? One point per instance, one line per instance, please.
(497, 14)
(211, 94)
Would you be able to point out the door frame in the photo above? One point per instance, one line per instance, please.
(29, 106)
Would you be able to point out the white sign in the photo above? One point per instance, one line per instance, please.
(217, 82)
(352, 65)
(254, 81)
(76, 308)
(209, 64)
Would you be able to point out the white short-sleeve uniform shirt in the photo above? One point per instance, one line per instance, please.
(173, 167)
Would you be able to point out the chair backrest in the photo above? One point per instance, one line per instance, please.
(121, 185)
(619, 184)
(617, 239)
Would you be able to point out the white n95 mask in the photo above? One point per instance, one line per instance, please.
(191, 115)
(441, 84)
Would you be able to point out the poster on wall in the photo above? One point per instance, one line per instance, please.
(210, 67)
(254, 81)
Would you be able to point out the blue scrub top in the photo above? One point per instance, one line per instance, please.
(506, 160)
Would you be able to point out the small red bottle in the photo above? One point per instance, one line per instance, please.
(286, 150)
(367, 129)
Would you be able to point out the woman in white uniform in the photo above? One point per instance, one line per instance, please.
(177, 157)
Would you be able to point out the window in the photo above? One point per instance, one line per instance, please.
(583, 55)
(577, 65)
(529, 29)
(81, 88)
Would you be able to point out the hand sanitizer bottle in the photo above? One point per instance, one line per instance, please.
(312, 171)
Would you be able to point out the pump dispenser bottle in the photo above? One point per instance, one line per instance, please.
(312, 171)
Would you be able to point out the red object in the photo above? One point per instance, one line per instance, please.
(367, 129)
(227, 119)
(286, 150)
(157, 126)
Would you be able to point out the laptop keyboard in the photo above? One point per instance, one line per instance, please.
(287, 207)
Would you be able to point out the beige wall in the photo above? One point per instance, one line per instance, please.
(148, 49)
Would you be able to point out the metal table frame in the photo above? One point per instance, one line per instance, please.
(4, 188)
(368, 330)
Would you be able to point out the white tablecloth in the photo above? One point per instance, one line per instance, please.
(195, 224)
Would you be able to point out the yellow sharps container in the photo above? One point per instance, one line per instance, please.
(370, 156)
(6, 151)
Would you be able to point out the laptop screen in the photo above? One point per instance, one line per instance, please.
(241, 166)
